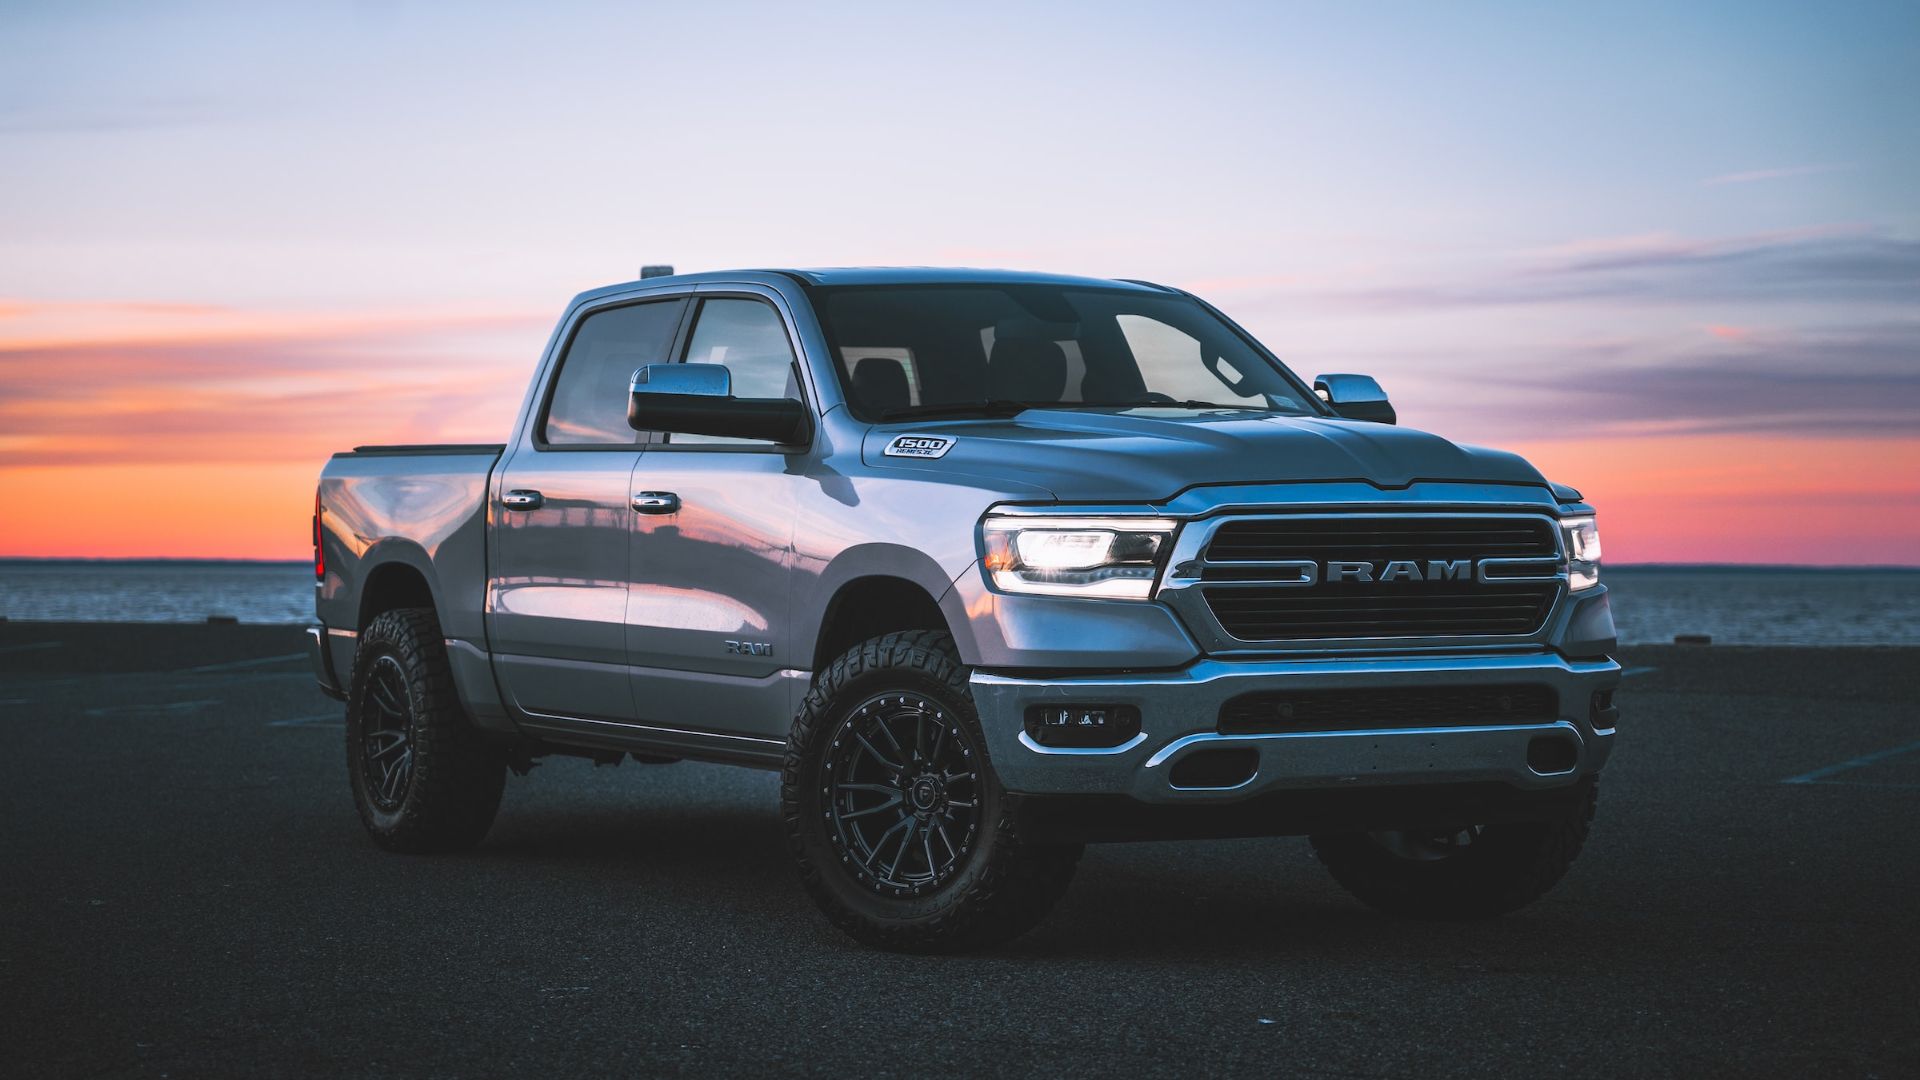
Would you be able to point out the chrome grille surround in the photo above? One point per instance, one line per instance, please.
(1199, 581)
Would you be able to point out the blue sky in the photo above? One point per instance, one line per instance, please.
(1539, 225)
(321, 154)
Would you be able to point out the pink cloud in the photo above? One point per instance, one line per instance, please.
(1755, 175)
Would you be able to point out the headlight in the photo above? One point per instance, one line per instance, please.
(1583, 552)
(1113, 558)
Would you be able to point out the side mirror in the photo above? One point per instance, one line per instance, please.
(1356, 397)
(697, 399)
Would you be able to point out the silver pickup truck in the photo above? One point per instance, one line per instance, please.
(989, 566)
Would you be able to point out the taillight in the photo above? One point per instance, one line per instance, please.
(319, 550)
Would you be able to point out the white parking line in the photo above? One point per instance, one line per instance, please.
(1867, 784)
(1818, 776)
(30, 646)
(331, 719)
(242, 665)
(141, 710)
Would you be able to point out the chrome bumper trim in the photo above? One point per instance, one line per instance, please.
(1180, 711)
(1026, 740)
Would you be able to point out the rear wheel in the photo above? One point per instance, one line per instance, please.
(1468, 872)
(422, 778)
(899, 828)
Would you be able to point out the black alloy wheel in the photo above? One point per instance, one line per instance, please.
(387, 759)
(901, 783)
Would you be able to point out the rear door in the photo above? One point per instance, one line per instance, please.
(563, 526)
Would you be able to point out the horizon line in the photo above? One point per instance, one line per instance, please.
(192, 560)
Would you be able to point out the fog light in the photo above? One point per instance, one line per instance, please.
(1082, 725)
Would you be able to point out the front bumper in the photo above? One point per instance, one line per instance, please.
(1179, 713)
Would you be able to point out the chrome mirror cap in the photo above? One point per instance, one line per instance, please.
(1356, 397)
(690, 380)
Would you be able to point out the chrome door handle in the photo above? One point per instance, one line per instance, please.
(523, 500)
(656, 502)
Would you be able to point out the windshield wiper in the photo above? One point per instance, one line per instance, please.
(999, 407)
(1173, 404)
(987, 407)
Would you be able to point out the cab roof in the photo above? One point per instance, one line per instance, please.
(881, 275)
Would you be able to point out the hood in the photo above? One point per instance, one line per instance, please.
(1148, 455)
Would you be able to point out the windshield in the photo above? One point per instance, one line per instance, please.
(994, 349)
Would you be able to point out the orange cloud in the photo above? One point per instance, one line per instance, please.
(130, 429)
(135, 510)
(1747, 498)
(207, 385)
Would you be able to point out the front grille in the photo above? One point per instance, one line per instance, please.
(1372, 610)
(1440, 596)
(1396, 707)
(1382, 538)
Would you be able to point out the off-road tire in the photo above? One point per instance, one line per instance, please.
(1004, 885)
(453, 792)
(1504, 868)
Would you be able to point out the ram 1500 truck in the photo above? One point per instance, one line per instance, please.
(988, 565)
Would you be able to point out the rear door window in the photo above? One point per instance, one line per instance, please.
(589, 402)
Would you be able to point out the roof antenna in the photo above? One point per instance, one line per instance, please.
(655, 271)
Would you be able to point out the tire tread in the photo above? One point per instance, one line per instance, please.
(457, 778)
(1018, 884)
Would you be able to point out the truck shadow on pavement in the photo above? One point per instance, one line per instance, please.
(1128, 901)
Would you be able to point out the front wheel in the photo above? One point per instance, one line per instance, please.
(1468, 872)
(894, 817)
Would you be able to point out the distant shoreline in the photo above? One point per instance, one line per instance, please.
(80, 560)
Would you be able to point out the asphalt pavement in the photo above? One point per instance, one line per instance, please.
(186, 891)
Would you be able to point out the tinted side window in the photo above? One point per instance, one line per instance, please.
(589, 403)
(748, 337)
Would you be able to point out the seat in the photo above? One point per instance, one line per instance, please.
(880, 382)
(1026, 369)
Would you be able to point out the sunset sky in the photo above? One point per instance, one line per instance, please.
(1669, 252)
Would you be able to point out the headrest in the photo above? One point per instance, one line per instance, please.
(880, 382)
(1026, 369)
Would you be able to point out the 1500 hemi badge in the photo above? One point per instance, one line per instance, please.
(920, 446)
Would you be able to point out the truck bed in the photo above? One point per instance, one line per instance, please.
(419, 509)
(423, 450)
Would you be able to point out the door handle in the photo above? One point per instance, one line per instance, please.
(656, 502)
(522, 500)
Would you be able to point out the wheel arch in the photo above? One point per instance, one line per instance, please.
(396, 574)
(868, 606)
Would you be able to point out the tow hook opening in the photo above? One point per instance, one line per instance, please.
(1605, 715)
(1550, 755)
(1214, 769)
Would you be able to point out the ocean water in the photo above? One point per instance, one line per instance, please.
(1736, 605)
(162, 591)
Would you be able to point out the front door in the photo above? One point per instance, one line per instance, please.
(707, 618)
(563, 524)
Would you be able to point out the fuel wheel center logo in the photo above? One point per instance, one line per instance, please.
(924, 793)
